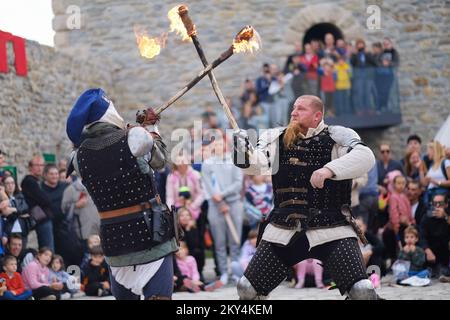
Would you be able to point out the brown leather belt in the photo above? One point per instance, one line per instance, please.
(124, 211)
(292, 202)
(284, 190)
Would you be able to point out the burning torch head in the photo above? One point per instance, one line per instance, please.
(247, 40)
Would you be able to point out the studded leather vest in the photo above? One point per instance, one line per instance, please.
(294, 197)
(112, 177)
(111, 173)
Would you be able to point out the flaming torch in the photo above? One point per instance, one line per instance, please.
(190, 30)
(247, 40)
(148, 47)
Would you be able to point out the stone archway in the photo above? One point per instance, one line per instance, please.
(318, 32)
(323, 13)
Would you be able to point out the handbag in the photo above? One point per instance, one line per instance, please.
(38, 214)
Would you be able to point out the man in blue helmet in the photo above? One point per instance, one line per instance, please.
(116, 163)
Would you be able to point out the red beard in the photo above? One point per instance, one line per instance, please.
(291, 134)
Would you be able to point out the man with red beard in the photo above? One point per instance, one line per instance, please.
(312, 167)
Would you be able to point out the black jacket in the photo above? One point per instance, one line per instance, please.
(94, 274)
(435, 232)
(22, 209)
(34, 196)
(421, 212)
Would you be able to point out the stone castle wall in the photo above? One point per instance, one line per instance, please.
(34, 109)
(420, 30)
(104, 53)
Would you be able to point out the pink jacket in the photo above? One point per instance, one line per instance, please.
(35, 275)
(399, 206)
(193, 182)
(188, 268)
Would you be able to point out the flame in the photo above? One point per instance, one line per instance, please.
(148, 47)
(176, 24)
(247, 40)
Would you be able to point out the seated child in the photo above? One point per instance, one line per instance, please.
(12, 283)
(188, 268)
(413, 253)
(57, 271)
(96, 275)
(247, 252)
(192, 237)
(92, 241)
(36, 277)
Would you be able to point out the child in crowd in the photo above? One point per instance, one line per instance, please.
(399, 217)
(413, 253)
(259, 198)
(96, 275)
(399, 206)
(309, 266)
(192, 238)
(327, 84)
(343, 85)
(57, 271)
(92, 241)
(371, 252)
(188, 268)
(11, 283)
(36, 277)
(248, 250)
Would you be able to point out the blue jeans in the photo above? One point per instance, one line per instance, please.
(23, 296)
(44, 232)
(420, 274)
(161, 284)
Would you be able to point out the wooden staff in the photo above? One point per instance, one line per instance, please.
(192, 32)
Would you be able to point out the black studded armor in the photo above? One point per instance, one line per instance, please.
(295, 200)
(112, 177)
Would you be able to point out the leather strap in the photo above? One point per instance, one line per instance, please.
(292, 202)
(293, 190)
(124, 211)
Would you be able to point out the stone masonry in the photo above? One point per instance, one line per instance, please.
(103, 52)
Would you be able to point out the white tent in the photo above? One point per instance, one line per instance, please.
(443, 135)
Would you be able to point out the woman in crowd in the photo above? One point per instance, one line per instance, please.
(17, 213)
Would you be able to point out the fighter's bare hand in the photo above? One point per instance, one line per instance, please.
(319, 176)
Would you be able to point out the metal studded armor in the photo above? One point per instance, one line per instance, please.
(112, 177)
(297, 204)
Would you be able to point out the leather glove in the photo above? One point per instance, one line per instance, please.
(242, 148)
(147, 117)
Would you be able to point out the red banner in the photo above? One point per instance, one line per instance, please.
(20, 54)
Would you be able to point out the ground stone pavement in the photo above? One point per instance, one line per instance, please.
(435, 291)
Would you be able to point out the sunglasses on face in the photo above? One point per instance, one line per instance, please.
(385, 151)
(438, 203)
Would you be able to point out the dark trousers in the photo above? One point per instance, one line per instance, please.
(160, 285)
(45, 291)
(368, 210)
(91, 289)
(270, 265)
(392, 242)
